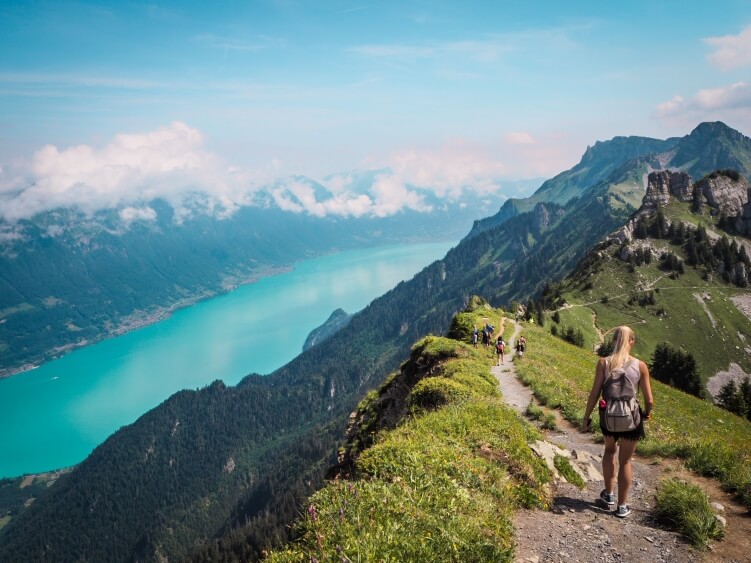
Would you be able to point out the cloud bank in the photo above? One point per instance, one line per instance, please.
(172, 164)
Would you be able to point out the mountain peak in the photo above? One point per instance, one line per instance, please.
(713, 129)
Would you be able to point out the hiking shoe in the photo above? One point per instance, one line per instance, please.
(608, 498)
(623, 511)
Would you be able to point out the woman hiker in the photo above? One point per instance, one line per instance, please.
(622, 442)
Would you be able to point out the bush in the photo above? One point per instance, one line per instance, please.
(433, 392)
(685, 508)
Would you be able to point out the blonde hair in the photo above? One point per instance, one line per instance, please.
(621, 338)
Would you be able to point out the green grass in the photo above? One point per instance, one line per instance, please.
(563, 465)
(534, 411)
(685, 323)
(579, 318)
(685, 508)
(713, 441)
(441, 486)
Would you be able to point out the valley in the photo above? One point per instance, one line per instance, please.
(584, 243)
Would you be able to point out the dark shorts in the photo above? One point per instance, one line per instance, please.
(634, 435)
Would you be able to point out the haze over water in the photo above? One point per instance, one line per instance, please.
(55, 415)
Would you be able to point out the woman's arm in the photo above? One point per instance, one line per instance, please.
(594, 394)
(646, 389)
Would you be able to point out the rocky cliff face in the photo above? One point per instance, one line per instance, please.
(725, 193)
(663, 185)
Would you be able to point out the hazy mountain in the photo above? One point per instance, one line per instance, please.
(710, 146)
(216, 473)
(67, 279)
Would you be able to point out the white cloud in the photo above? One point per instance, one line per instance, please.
(168, 163)
(171, 164)
(731, 51)
(130, 214)
(391, 196)
(729, 103)
(519, 138)
(449, 170)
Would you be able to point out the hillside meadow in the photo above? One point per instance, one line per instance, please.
(449, 476)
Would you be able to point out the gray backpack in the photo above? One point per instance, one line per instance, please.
(621, 413)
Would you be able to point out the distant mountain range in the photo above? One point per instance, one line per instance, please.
(67, 279)
(217, 474)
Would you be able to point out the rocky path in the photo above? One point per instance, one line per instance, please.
(579, 529)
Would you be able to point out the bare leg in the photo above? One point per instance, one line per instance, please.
(608, 463)
(625, 472)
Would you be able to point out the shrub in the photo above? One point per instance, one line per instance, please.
(685, 508)
(433, 392)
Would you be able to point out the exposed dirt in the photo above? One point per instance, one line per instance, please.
(578, 528)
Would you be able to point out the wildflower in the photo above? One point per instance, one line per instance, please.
(313, 513)
(341, 513)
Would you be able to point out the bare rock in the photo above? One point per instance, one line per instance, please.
(664, 184)
(724, 193)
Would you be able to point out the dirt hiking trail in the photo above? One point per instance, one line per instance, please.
(577, 528)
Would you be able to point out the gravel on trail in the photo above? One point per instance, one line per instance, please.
(578, 528)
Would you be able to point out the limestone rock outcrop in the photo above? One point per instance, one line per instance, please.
(727, 194)
(664, 184)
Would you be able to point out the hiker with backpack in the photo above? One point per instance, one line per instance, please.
(500, 345)
(475, 334)
(618, 379)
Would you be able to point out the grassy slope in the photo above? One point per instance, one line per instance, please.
(447, 481)
(442, 484)
(604, 287)
(713, 441)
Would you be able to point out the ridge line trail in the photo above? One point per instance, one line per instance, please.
(577, 529)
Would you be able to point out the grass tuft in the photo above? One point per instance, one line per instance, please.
(564, 467)
(685, 508)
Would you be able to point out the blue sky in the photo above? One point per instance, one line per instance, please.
(450, 93)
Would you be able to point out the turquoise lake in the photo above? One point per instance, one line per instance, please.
(55, 415)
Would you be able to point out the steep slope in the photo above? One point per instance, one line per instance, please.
(436, 464)
(712, 146)
(624, 163)
(260, 424)
(674, 273)
(596, 165)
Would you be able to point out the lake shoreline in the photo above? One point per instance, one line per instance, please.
(141, 319)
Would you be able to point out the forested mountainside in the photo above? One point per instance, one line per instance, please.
(67, 279)
(222, 469)
(709, 146)
(680, 270)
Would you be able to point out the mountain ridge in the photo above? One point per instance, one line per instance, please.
(509, 261)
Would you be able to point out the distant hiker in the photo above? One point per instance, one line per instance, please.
(499, 348)
(619, 378)
(488, 330)
(475, 334)
(521, 345)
